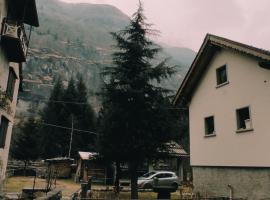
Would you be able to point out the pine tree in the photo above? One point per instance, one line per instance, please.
(26, 146)
(51, 137)
(86, 118)
(68, 115)
(134, 118)
(67, 106)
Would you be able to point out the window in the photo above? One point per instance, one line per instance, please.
(167, 175)
(11, 83)
(221, 75)
(3, 131)
(209, 125)
(243, 118)
(159, 176)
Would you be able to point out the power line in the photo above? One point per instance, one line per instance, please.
(79, 103)
(67, 128)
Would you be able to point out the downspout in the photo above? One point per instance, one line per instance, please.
(231, 192)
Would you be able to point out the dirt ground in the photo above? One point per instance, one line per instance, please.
(16, 184)
(68, 187)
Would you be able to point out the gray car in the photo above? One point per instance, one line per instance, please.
(158, 179)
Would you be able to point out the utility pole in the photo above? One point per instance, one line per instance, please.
(71, 136)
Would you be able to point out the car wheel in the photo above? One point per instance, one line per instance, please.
(175, 186)
(147, 186)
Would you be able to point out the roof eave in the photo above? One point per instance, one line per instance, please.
(213, 43)
(30, 13)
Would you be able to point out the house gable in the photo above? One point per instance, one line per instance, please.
(248, 86)
(211, 45)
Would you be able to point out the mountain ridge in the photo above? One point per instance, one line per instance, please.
(75, 39)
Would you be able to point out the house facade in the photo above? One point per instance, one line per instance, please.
(17, 18)
(227, 90)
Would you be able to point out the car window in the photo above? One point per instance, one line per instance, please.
(167, 175)
(148, 174)
(159, 175)
(162, 175)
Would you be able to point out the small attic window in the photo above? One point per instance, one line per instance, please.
(221, 75)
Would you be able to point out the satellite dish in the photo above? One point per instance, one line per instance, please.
(264, 64)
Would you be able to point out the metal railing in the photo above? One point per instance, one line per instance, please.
(15, 29)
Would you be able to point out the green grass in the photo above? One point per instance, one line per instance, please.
(16, 184)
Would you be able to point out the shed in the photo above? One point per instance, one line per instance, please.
(88, 164)
(60, 166)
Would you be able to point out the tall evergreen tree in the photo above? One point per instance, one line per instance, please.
(69, 109)
(26, 145)
(67, 106)
(135, 108)
(86, 118)
(51, 137)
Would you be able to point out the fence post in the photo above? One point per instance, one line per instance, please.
(89, 183)
(84, 188)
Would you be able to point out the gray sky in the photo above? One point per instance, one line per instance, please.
(184, 23)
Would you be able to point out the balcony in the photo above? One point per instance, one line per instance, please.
(14, 41)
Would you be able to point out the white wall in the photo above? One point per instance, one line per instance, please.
(249, 85)
(3, 9)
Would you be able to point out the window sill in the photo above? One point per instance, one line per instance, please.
(210, 135)
(222, 84)
(244, 130)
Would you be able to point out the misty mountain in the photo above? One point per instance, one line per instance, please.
(75, 39)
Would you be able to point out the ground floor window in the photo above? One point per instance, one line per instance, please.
(209, 125)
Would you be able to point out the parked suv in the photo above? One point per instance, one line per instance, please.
(158, 179)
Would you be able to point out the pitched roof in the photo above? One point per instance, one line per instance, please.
(87, 155)
(176, 149)
(30, 14)
(209, 47)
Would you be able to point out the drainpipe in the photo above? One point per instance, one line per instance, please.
(231, 191)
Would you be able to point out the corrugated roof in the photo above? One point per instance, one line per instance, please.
(87, 155)
(176, 149)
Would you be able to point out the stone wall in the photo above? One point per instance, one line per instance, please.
(247, 183)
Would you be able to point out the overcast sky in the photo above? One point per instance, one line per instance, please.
(184, 23)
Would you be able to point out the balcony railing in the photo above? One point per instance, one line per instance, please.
(14, 40)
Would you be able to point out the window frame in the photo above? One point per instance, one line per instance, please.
(218, 76)
(3, 130)
(240, 130)
(10, 89)
(206, 131)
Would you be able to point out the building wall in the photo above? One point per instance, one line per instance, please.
(3, 9)
(247, 183)
(249, 85)
(4, 72)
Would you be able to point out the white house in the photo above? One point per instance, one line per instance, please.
(17, 18)
(227, 90)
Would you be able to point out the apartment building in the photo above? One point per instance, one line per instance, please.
(17, 19)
